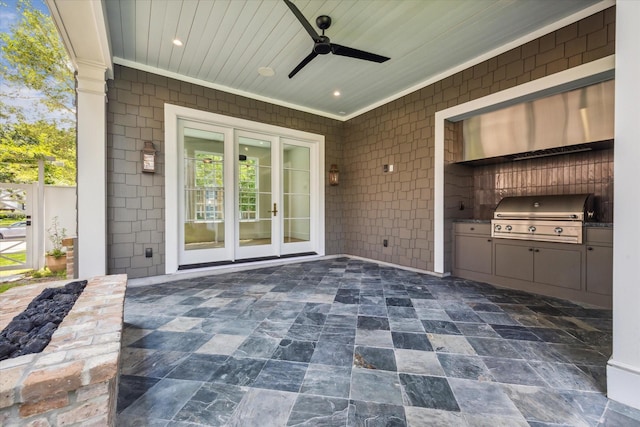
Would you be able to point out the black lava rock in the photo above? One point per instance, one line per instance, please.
(30, 331)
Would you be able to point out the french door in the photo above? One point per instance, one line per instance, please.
(244, 195)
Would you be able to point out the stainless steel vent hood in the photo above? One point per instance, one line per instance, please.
(578, 120)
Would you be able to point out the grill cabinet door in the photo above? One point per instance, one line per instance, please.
(514, 261)
(558, 267)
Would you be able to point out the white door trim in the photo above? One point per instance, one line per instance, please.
(171, 115)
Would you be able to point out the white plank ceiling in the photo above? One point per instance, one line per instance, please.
(226, 41)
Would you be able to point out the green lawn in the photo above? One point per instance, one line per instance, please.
(16, 258)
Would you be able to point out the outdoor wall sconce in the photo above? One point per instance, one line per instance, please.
(148, 157)
(334, 175)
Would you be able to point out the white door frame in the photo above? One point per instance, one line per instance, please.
(171, 115)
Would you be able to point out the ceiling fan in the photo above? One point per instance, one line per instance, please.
(322, 45)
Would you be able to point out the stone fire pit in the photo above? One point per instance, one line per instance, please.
(74, 380)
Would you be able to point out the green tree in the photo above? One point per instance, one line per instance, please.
(23, 144)
(34, 61)
(35, 58)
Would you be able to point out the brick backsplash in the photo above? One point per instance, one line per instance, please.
(587, 172)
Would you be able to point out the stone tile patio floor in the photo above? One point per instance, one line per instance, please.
(344, 342)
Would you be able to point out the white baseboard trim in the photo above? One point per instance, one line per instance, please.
(401, 267)
(623, 383)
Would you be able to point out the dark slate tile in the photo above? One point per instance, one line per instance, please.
(411, 341)
(347, 299)
(538, 404)
(371, 385)
(195, 301)
(197, 367)
(515, 332)
(598, 374)
(341, 321)
(370, 414)
(257, 347)
(163, 400)
(440, 327)
(552, 335)
(338, 335)
(427, 392)
(464, 366)
(401, 312)
(513, 371)
(477, 330)
(564, 376)
(371, 323)
(281, 375)
(485, 399)
(311, 318)
(131, 387)
(319, 411)
(464, 316)
(374, 358)
(212, 405)
(145, 322)
(546, 310)
(485, 307)
(495, 347)
(294, 351)
(149, 363)
(332, 353)
(238, 371)
(327, 380)
(172, 341)
(399, 302)
(299, 332)
(203, 312)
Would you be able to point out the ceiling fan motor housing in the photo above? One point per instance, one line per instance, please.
(323, 46)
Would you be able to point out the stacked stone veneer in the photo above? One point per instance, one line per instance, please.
(74, 380)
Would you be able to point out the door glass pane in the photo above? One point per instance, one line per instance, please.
(254, 191)
(203, 189)
(297, 193)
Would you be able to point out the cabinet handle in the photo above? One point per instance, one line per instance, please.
(530, 249)
(590, 248)
(488, 240)
(537, 250)
(472, 228)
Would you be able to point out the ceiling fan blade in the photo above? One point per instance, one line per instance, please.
(337, 49)
(307, 26)
(304, 62)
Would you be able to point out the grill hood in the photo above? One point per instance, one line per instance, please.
(578, 120)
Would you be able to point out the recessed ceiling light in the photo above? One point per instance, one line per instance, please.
(342, 112)
(266, 71)
(177, 42)
(336, 93)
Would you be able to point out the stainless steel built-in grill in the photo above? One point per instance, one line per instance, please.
(557, 218)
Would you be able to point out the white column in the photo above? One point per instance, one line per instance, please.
(92, 178)
(623, 370)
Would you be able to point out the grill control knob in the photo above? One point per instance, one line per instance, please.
(558, 230)
(532, 229)
(498, 227)
(509, 228)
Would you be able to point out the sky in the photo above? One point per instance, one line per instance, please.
(8, 17)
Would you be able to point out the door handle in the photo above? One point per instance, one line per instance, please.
(275, 210)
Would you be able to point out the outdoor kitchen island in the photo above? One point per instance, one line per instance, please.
(578, 272)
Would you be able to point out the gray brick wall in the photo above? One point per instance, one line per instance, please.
(135, 200)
